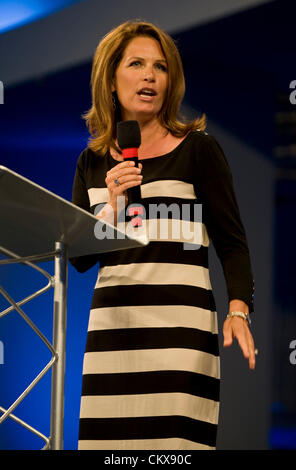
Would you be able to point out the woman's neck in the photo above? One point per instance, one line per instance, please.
(155, 141)
(152, 135)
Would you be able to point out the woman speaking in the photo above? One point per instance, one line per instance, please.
(151, 369)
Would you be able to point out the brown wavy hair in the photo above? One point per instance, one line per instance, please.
(102, 117)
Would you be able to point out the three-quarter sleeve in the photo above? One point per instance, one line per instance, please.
(80, 198)
(221, 215)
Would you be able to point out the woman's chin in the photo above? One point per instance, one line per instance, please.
(140, 115)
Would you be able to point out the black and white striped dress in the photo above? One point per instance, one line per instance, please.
(151, 368)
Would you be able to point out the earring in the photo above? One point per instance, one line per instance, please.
(113, 102)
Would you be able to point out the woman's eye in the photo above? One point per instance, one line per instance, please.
(161, 67)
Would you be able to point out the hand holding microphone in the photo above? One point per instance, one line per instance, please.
(125, 178)
(129, 140)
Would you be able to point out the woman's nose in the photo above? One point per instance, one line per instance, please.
(149, 74)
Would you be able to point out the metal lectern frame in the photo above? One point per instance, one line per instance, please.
(57, 348)
(52, 228)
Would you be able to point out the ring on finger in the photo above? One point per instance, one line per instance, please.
(116, 182)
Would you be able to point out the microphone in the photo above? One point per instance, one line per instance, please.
(129, 140)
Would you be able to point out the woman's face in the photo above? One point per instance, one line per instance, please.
(141, 79)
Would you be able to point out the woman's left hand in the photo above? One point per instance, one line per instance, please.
(238, 328)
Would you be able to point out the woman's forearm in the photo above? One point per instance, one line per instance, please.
(238, 305)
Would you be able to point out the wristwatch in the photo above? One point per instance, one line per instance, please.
(243, 315)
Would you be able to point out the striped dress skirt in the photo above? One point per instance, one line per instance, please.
(151, 370)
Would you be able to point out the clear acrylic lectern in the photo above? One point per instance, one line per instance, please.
(37, 225)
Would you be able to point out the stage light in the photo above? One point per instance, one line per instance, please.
(16, 13)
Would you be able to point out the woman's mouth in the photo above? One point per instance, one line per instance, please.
(147, 93)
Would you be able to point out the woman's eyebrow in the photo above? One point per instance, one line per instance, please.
(142, 58)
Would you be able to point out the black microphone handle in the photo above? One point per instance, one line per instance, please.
(134, 194)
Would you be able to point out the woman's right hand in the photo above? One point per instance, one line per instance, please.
(128, 176)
